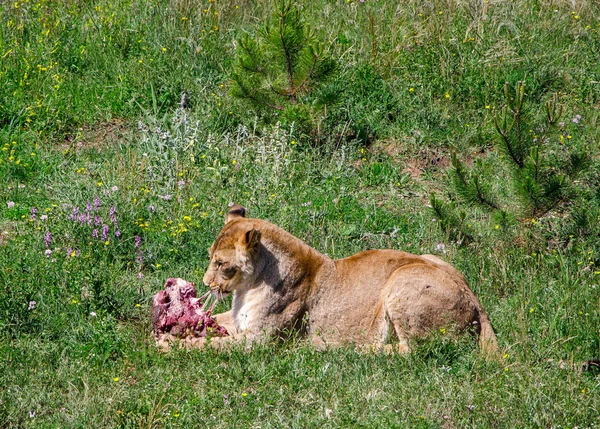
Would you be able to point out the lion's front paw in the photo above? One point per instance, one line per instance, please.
(164, 342)
(193, 342)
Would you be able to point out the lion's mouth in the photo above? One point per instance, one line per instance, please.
(219, 293)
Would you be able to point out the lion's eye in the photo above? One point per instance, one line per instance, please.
(229, 271)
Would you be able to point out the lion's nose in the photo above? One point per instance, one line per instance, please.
(210, 282)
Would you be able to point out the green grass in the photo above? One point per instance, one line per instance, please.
(90, 108)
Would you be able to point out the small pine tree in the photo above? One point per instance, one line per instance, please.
(278, 67)
(470, 187)
(541, 179)
(451, 221)
(540, 176)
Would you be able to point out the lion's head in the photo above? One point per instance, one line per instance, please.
(233, 254)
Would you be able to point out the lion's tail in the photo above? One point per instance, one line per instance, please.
(487, 337)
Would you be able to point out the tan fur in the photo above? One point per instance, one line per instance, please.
(280, 283)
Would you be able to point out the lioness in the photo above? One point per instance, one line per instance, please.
(279, 282)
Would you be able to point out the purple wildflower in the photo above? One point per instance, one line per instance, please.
(576, 119)
(33, 213)
(113, 216)
(31, 305)
(69, 251)
(10, 204)
(96, 203)
(104, 232)
(77, 253)
(140, 258)
(138, 241)
(44, 217)
(83, 218)
(97, 221)
(117, 233)
(95, 233)
(47, 238)
(88, 212)
(48, 253)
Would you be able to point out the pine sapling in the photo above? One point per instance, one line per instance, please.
(277, 68)
(540, 174)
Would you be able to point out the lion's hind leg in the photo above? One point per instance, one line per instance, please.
(420, 299)
(401, 339)
(387, 338)
(405, 312)
(382, 336)
(394, 338)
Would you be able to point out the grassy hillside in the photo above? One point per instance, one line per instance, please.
(122, 146)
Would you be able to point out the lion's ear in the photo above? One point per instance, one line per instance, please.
(251, 239)
(235, 212)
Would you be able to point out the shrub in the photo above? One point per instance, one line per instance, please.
(540, 164)
(280, 66)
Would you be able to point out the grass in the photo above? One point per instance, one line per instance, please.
(92, 107)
